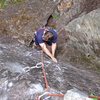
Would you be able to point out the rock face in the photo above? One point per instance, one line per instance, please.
(23, 19)
(16, 83)
(77, 23)
(75, 94)
(71, 9)
(81, 43)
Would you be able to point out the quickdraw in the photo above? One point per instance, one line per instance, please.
(38, 65)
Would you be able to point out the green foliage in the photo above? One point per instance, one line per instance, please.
(93, 94)
(16, 1)
(55, 16)
(4, 3)
(94, 99)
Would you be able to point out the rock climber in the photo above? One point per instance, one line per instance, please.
(46, 39)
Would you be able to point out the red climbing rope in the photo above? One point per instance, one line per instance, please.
(44, 73)
(97, 97)
(45, 78)
(47, 85)
(58, 95)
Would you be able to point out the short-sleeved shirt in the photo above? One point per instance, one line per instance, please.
(39, 33)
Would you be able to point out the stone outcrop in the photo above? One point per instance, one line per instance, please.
(77, 23)
(81, 39)
(78, 30)
(24, 18)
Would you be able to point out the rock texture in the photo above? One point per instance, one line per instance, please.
(77, 23)
(81, 39)
(22, 19)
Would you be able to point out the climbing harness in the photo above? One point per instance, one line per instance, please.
(38, 65)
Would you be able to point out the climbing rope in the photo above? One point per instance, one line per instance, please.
(47, 94)
(95, 97)
(44, 73)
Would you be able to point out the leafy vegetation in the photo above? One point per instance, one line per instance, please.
(4, 3)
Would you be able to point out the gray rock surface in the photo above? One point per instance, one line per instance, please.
(78, 54)
(81, 39)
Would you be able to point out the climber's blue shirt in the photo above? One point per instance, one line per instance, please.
(39, 33)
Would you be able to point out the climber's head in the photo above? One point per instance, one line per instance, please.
(47, 36)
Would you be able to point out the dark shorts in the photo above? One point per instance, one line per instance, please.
(49, 43)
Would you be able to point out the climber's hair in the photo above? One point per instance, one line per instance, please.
(48, 35)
